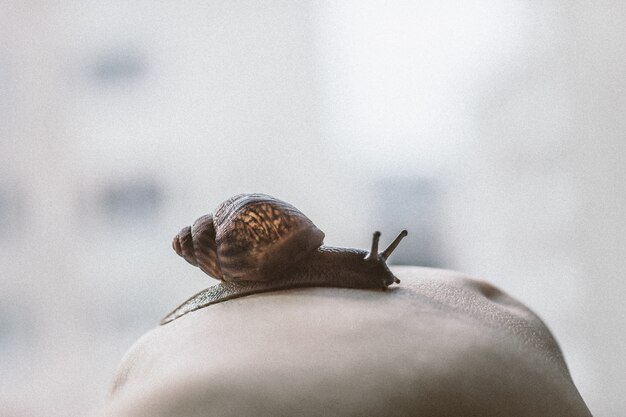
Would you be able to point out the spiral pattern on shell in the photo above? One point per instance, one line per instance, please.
(196, 244)
(250, 237)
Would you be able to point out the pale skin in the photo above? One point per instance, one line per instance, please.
(437, 344)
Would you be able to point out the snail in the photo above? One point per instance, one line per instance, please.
(256, 243)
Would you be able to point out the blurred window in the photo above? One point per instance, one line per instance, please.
(411, 203)
(136, 201)
(118, 66)
(16, 326)
(10, 209)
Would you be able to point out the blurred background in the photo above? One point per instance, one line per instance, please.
(494, 131)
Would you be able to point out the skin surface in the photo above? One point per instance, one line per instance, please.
(438, 344)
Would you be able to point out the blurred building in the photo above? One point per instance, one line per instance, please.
(493, 131)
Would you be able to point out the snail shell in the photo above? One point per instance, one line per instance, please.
(249, 238)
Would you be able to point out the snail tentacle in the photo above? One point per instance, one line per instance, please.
(393, 245)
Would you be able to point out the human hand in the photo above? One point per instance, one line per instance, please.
(440, 344)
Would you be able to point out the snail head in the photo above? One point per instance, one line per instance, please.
(375, 258)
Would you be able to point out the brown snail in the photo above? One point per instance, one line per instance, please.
(256, 243)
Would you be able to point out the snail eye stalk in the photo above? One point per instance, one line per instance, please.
(373, 255)
(394, 244)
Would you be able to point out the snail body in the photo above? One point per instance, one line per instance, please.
(256, 243)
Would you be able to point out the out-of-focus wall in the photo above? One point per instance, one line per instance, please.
(509, 118)
(552, 174)
(121, 123)
(493, 131)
